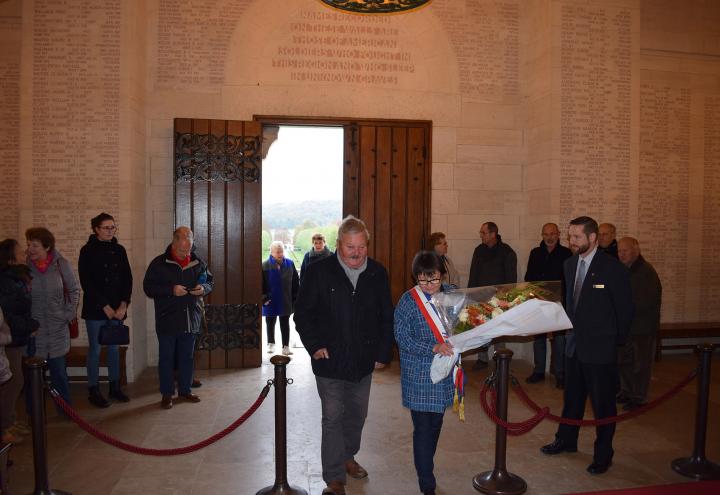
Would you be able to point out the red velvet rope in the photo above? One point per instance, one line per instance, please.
(515, 429)
(158, 452)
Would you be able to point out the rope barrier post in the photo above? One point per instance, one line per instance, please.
(697, 465)
(281, 485)
(499, 481)
(36, 367)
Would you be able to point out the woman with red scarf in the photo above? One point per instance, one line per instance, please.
(55, 296)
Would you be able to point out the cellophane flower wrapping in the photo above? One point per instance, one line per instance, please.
(473, 317)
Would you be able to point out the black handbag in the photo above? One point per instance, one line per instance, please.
(114, 334)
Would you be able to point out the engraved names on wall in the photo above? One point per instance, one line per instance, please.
(595, 112)
(193, 42)
(75, 114)
(486, 37)
(664, 188)
(10, 30)
(710, 273)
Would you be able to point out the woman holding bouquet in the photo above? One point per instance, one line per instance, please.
(420, 336)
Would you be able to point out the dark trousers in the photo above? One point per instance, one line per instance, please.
(344, 409)
(598, 381)
(179, 346)
(557, 356)
(427, 426)
(284, 329)
(635, 360)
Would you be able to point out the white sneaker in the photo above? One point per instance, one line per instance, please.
(286, 351)
(271, 348)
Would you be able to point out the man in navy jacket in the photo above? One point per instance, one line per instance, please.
(544, 264)
(598, 301)
(176, 280)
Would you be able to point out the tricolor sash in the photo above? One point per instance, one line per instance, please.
(427, 309)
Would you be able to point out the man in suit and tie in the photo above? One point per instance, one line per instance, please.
(599, 303)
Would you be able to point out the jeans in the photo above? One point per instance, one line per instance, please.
(93, 357)
(58, 376)
(558, 354)
(172, 347)
(284, 329)
(344, 409)
(425, 439)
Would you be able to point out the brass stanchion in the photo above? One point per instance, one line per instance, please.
(697, 465)
(36, 367)
(499, 481)
(281, 485)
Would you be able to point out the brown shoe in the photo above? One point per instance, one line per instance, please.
(335, 488)
(166, 402)
(190, 397)
(355, 470)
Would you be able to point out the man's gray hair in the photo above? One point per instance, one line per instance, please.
(275, 244)
(183, 231)
(352, 225)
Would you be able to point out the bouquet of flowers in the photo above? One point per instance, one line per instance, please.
(473, 317)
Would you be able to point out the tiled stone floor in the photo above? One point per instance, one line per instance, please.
(243, 463)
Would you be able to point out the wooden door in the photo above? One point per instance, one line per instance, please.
(218, 195)
(387, 185)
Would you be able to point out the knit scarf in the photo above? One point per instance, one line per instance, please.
(43, 265)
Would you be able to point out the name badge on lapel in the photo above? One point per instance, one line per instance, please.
(598, 286)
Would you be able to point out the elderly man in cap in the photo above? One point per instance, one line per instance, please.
(176, 281)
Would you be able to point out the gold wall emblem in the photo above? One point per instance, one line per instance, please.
(375, 6)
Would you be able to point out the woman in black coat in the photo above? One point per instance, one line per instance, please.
(16, 304)
(106, 281)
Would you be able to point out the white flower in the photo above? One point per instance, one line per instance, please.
(463, 315)
(494, 302)
(497, 312)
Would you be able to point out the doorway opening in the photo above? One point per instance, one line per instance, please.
(302, 195)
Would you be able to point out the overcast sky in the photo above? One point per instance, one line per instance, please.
(304, 163)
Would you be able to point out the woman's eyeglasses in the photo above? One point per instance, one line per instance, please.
(432, 281)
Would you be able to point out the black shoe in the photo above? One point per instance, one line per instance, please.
(631, 405)
(560, 383)
(535, 378)
(621, 398)
(599, 467)
(196, 383)
(557, 447)
(117, 393)
(96, 398)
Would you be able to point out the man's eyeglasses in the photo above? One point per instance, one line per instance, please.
(109, 229)
(432, 281)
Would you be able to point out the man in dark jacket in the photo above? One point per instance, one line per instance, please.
(546, 263)
(598, 301)
(636, 356)
(344, 316)
(176, 280)
(493, 263)
(606, 239)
